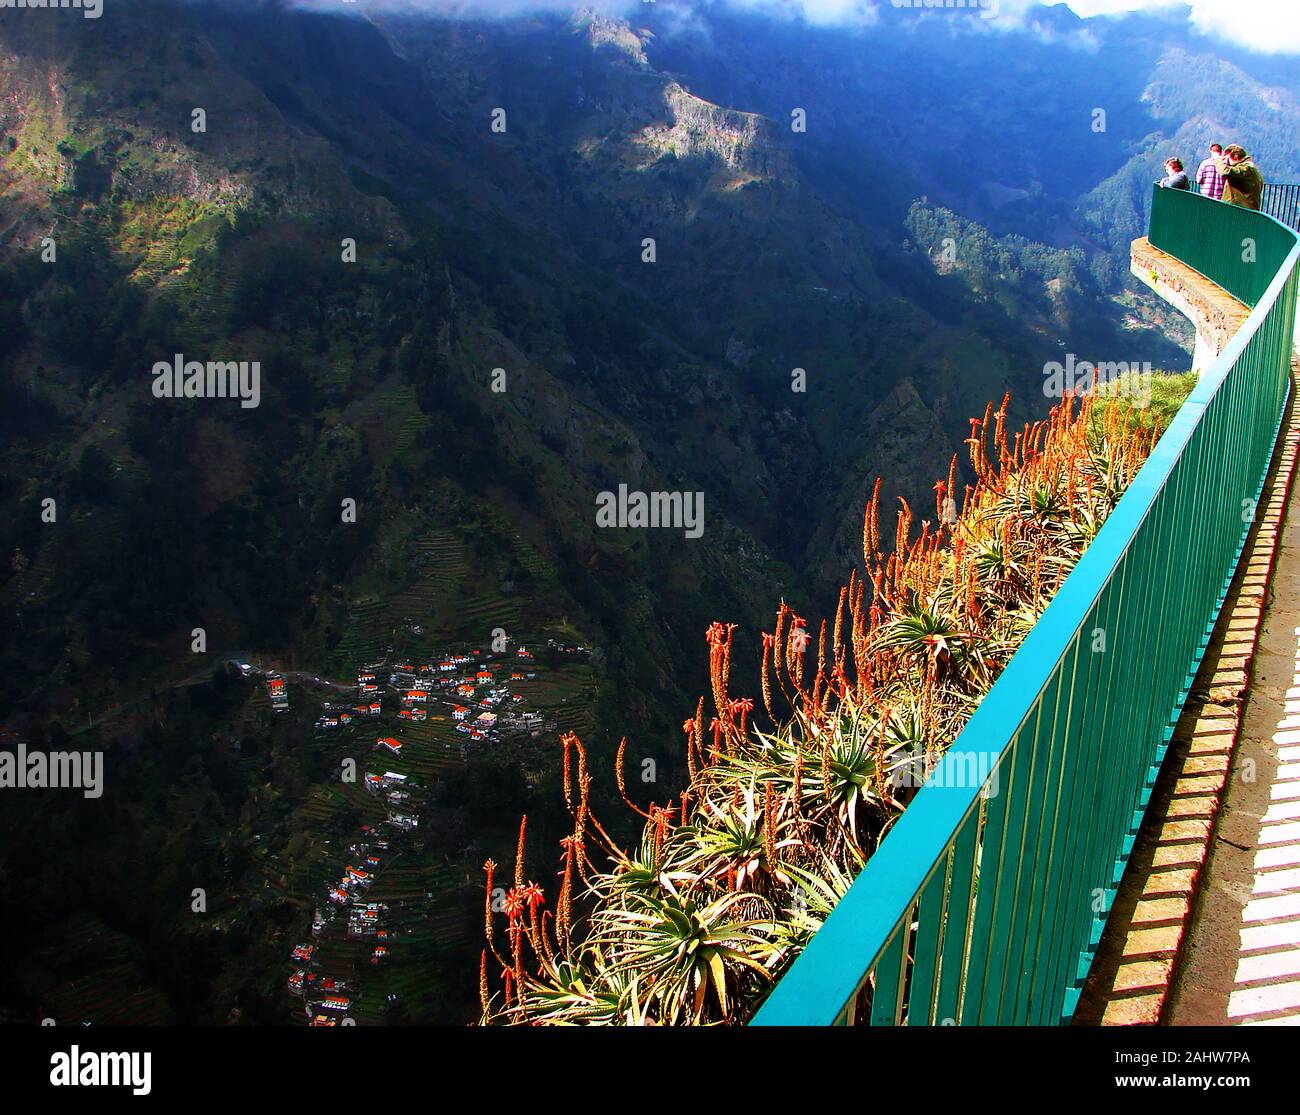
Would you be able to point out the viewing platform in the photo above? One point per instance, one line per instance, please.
(1072, 883)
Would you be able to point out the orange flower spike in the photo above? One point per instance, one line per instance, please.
(764, 679)
(584, 781)
(841, 680)
(871, 524)
(699, 727)
(836, 641)
(568, 777)
(904, 524)
(795, 648)
(619, 758)
(717, 682)
(546, 942)
(519, 851)
(489, 867)
(519, 965)
(484, 998)
(564, 905)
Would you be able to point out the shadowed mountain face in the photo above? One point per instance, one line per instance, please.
(713, 254)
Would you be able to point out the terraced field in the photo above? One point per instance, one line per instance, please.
(478, 616)
(118, 994)
(330, 800)
(529, 556)
(412, 425)
(428, 917)
(566, 695)
(367, 633)
(442, 555)
(428, 750)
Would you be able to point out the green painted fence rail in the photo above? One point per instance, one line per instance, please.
(986, 901)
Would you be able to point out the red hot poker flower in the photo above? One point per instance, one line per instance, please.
(742, 705)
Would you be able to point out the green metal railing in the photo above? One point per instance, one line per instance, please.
(986, 901)
(1282, 201)
(1231, 245)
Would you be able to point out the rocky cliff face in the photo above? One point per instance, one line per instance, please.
(742, 142)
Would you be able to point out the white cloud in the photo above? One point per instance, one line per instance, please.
(822, 12)
(1269, 26)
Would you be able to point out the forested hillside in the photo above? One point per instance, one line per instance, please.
(681, 291)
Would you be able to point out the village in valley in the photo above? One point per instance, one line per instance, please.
(352, 782)
(401, 727)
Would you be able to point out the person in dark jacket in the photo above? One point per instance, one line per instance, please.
(1175, 177)
(1242, 182)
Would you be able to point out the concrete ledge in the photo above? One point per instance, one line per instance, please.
(1215, 314)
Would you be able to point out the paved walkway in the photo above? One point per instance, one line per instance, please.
(1144, 952)
(1205, 926)
(1241, 964)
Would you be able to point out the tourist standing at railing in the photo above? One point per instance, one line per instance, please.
(1175, 177)
(1208, 178)
(1242, 182)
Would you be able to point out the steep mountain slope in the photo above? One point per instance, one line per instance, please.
(803, 326)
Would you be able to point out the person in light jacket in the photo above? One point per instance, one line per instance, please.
(1208, 178)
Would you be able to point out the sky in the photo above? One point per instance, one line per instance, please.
(1268, 26)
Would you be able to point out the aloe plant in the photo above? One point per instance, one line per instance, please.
(732, 878)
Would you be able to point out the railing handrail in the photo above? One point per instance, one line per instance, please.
(825, 979)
